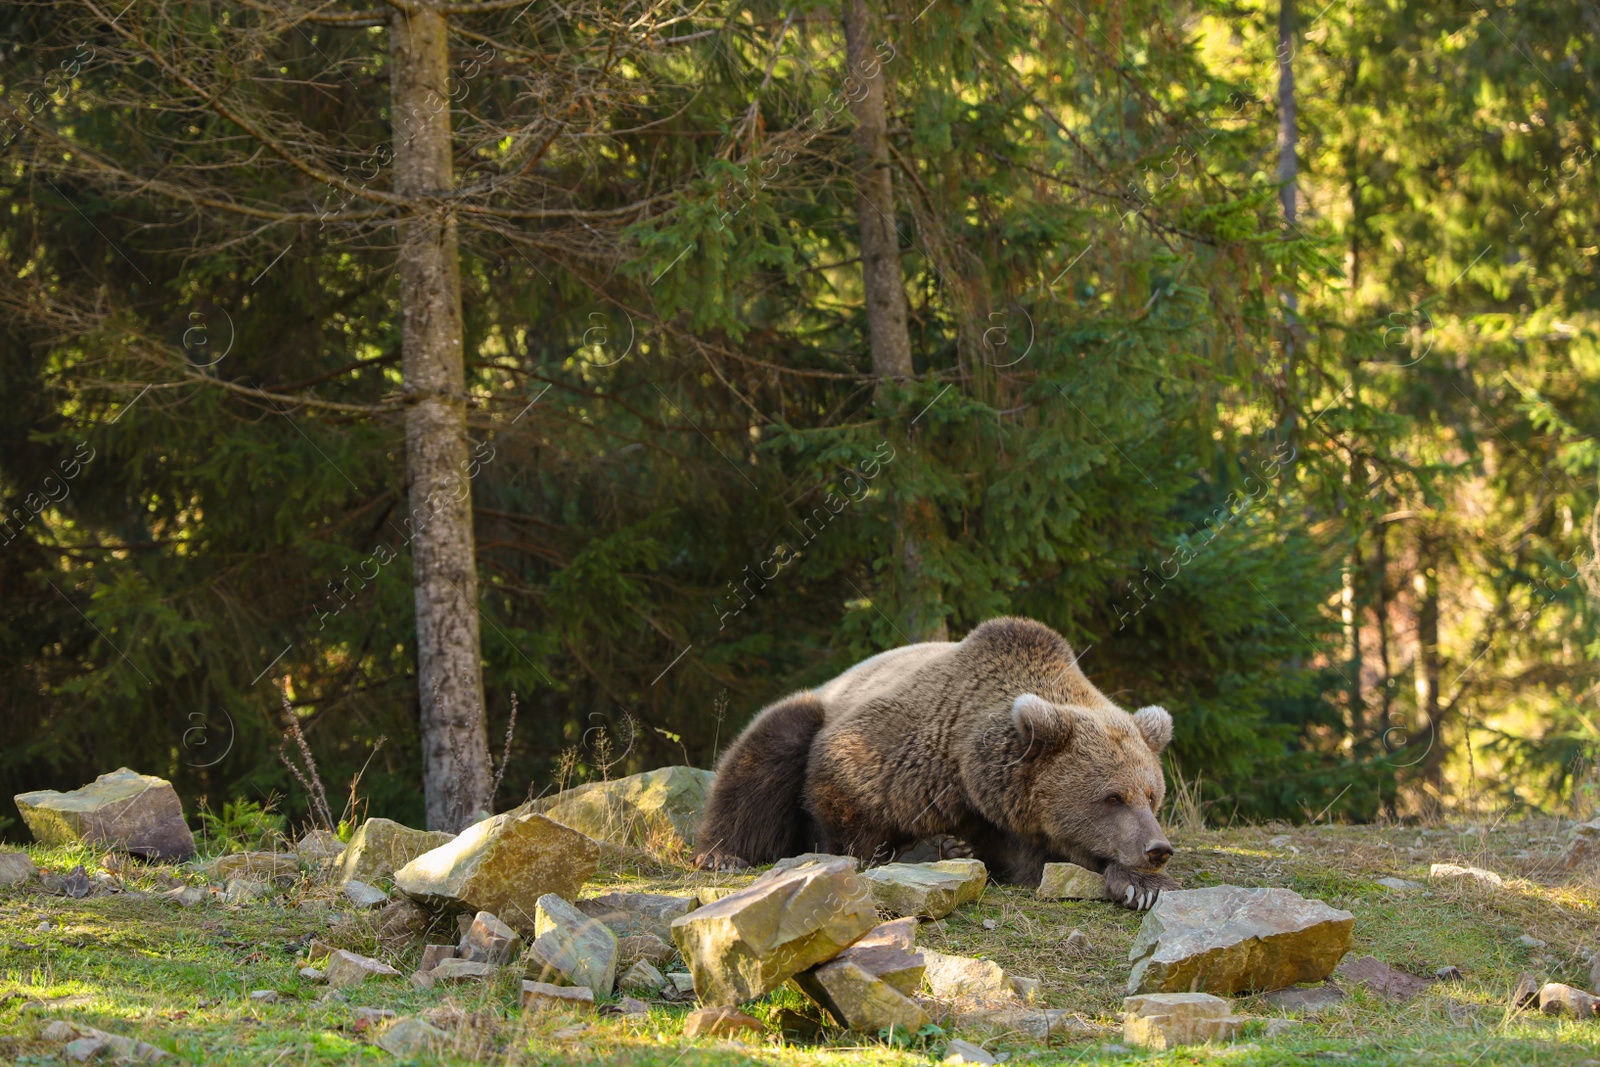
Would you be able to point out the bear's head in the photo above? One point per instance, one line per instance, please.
(1095, 779)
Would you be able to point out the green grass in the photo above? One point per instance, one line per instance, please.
(180, 978)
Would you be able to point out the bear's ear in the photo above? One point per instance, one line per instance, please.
(1038, 720)
(1156, 726)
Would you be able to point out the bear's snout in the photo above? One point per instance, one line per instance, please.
(1158, 853)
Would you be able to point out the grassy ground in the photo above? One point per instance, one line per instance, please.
(181, 978)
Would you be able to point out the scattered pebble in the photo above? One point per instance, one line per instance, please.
(990, 924)
(265, 996)
(1077, 944)
(1448, 973)
(1531, 941)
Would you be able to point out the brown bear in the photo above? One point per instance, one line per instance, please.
(998, 739)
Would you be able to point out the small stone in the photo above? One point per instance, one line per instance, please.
(16, 868)
(1382, 978)
(1279, 841)
(459, 970)
(1448, 973)
(1529, 941)
(959, 1051)
(252, 867)
(630, 1006)
(265, 996)
(1312, 1000)
(1398, 885)
(366, 1018)
(1279, 1027)
(401, 923)
(333, 996)
(363, 895)
(503, 865)
(1227, 939)
(1026, 988)
(1166, 1020)
(720, 1021)
(1585, 843)
(642, 977)
(750, 942)
(186, 895)
(134, 812)
(489, 940)
(346, 969)
(991, 924)
(60, 1030)
(1558, 999)
(311, 974)
(84, 1049)
(411, 1037)
(379, 847)
(77, 883)
(316, 950)
(422, 980)
(1041, 1024)
(570, 1033)
(1068, 881)
(243, 891)
(319, 847)
(1527, 990)
(930, 890)
(644, 947)
(658, 809)
(681, 983)
(568, 943)
(44, 927)
(1476, 874)
(1077, 944)
(960, 978)
(433, 955)
(542, 996)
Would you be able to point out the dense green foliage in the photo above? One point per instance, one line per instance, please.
(685, 490)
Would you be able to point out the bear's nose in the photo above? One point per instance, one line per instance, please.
(1159, 854)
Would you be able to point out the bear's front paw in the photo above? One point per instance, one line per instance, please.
(715, 860)
(1134, 890)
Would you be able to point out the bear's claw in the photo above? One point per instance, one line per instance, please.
(1138, 892)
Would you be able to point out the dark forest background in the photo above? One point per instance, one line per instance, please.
(1316, 472)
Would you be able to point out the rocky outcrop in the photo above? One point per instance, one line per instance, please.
(502, 865)
(137, 813)
(1228, 939)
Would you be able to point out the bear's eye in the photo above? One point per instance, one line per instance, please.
(1115, 799)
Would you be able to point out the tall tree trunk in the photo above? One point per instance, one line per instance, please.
(1289, 198)
(455, 741)
(883, 285)
(1426, 585)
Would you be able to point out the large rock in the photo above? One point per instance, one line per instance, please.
(572, 946)
(750, 942)
(1068, 881)
(502, 865)
(659, 808)
(1165, 1020)
(961, 979)
(137, 813)
(382, 846)
(869, 985)
(931, 890)
(1232, 940)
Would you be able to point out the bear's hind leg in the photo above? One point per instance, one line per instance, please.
(754, 813)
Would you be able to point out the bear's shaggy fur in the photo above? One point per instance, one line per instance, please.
(998, 739)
